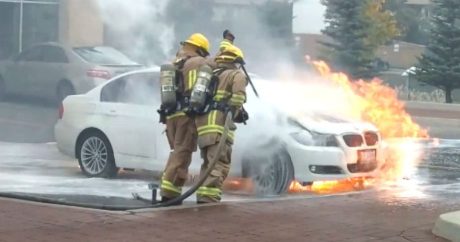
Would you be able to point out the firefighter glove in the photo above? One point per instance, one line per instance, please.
(162, 116)
(241, 116)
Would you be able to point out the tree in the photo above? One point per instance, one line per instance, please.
(439, 66)
(357, 28)
(383, 26)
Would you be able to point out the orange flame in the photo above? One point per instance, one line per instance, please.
(376, 103)
(326, 187)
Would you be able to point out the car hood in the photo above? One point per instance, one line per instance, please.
(331, 125)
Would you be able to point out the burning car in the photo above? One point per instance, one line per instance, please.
(115, 125)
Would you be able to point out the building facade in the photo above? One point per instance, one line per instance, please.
(94, 22)
(27, 22)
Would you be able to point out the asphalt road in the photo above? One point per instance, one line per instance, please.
(41, 170)
(27, 120)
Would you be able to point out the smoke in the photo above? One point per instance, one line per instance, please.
(139, 29)
(285, 93)
(149, 31)
(313, 22)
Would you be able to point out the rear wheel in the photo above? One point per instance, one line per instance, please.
(95, 156)
(64, 89)
(2, 89)
(271, 173)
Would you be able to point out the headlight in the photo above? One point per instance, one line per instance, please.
(325, 140)
(306, 138)
(303, 137)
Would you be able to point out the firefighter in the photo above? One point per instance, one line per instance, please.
(230, 95)
(180, 127)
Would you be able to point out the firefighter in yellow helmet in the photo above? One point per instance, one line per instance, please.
(180, 128)
(230, 95)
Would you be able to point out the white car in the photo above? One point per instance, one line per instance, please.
(115, 125)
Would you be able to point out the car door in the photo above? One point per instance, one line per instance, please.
(19, 74)
(131, 121)
(50, 70)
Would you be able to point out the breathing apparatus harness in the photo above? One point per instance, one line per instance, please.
(171, 82)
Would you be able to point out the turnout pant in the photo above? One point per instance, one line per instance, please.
(182, 137)
(211, 190)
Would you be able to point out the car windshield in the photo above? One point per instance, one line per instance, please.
(103, 55)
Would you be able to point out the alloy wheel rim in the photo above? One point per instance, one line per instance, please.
(267, 179)
(94, 155)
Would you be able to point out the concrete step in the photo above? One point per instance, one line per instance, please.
(448, 226)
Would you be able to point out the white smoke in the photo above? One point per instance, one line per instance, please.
(138, 28)
(311, 12)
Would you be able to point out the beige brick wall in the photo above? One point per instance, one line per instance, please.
(80, 23)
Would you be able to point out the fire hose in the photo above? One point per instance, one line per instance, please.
(188, 193)
(136, 196)
(191, 190)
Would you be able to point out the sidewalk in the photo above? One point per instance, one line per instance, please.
(355, 217)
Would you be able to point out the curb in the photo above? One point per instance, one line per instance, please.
(448, 226)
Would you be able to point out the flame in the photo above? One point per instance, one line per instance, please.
(376, 103)
(373, 102)
(333, 186)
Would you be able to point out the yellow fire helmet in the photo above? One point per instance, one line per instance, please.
(199, 40)
(231, 54)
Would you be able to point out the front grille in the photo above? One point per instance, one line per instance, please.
(353, 140)
(371, 138)
(366, 162)
(356, 168)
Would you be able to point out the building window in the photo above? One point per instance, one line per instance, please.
(26, 22)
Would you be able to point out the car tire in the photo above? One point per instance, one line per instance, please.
(63, 90)
(2, 89)
(271, 173)
(95, 155)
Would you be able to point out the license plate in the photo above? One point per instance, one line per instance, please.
(366, 157)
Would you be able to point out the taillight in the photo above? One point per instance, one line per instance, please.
(98, 74)
(61, 111)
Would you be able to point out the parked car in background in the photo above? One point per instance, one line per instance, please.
(115, 125)
(54, 71)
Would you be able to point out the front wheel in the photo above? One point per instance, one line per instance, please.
(95, 156)
(271, 173)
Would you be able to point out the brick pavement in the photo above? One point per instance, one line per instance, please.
(355, 217)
